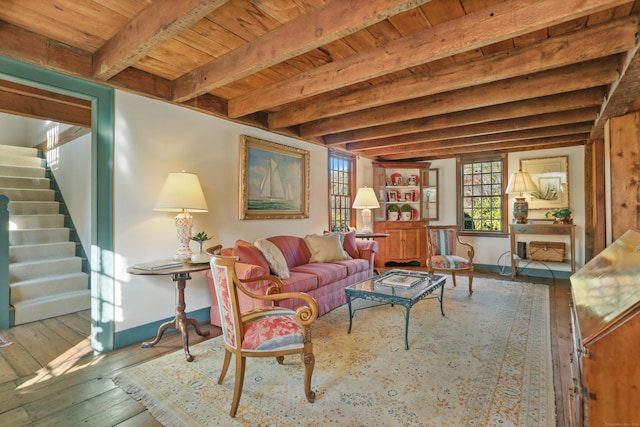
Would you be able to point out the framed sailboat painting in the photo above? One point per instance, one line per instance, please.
(274, 180)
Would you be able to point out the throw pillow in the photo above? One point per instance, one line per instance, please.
(249, 254)
(348, 241)
(274, 257)
(325, 248)
(350, 244)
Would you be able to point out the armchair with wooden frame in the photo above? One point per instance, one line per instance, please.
(270, 331)
(442, 242)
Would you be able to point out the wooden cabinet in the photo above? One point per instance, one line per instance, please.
(406, 242)
(409, 187)
(606, 331)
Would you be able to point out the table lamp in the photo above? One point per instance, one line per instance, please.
(182, 193)
(520, 183)
(366, 200)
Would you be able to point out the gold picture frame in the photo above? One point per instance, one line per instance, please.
(551, 176)
(274, 180)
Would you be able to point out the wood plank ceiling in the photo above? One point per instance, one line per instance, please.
(383, 79)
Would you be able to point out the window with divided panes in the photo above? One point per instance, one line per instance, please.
(341, 186)
(483, 200)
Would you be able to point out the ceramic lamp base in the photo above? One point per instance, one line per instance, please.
(520, 210)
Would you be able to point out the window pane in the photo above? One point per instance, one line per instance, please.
(340, 172)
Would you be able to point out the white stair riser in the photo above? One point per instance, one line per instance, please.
(38, 309)
(48, 287)
(26, 253)
(42, 235)
(30, 162)
(21, 222)
(27, 172)
(16, 150)
(26, 194)
(19, 271)
(33, 208)
(24, 182)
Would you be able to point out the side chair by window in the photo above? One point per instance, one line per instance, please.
(442, 243)
(270, 331)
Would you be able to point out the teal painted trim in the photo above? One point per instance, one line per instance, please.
(68, 221)
(522, 271)
(148, 331)
(102, 152)
(4, 262)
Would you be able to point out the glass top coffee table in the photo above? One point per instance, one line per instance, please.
(401, 287)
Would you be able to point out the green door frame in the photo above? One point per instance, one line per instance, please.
(102, 256)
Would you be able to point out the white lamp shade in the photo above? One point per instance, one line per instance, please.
(366, 199)
(520, 182)
(181, 191)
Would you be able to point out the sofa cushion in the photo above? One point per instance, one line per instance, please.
(325, 248)
(249, 254)
(354, 266)
(300, 282)
(274, 258)
(326, 272)
(293, 248)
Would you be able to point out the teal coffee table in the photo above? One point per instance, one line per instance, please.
(397, 287)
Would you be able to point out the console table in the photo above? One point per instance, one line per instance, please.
(542, 228)
(179, 275)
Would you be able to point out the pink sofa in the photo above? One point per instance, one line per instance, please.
(324, 281)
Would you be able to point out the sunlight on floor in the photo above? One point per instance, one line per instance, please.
(70, 361)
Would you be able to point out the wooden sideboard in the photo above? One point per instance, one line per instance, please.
(546, 229)
(605, 327)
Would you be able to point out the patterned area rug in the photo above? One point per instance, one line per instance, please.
(486, 363)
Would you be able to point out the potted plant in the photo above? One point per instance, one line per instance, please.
(392, 212)
(201, 256)
(406, 212)
(561, 215)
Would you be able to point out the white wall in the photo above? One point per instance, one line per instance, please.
(154, 138)
(15, 129)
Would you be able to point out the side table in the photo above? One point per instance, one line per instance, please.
(179, 275)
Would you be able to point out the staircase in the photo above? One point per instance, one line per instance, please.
(45, 275)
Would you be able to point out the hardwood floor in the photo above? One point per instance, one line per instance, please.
(50, 377)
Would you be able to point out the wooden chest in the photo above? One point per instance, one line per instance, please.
(547, 251)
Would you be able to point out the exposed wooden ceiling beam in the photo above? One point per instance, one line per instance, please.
(498, 137)
(566, 79)
(497, 147)
(38, 50)
(533, 122)
(162, 20)
(553, 103)
(326, 24)
(499, 22)
(593, 42)
(30, 106)
(622, 92)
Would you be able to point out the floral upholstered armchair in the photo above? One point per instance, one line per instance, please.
(442, 243)
(270, 331)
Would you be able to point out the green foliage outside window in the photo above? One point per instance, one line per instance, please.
(482, 195)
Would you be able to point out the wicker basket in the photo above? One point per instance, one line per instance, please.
(547, 251)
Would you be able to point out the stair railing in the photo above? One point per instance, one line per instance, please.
(4, 262)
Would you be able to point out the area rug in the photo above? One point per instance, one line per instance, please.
(486, 363)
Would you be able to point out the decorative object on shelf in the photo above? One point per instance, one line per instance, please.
(201, 256)
(274, 180)
(366, 200)
(393, 212)
(182, 193)
(561, 215)
(406, 212)
(520, 183)
(551, 177)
